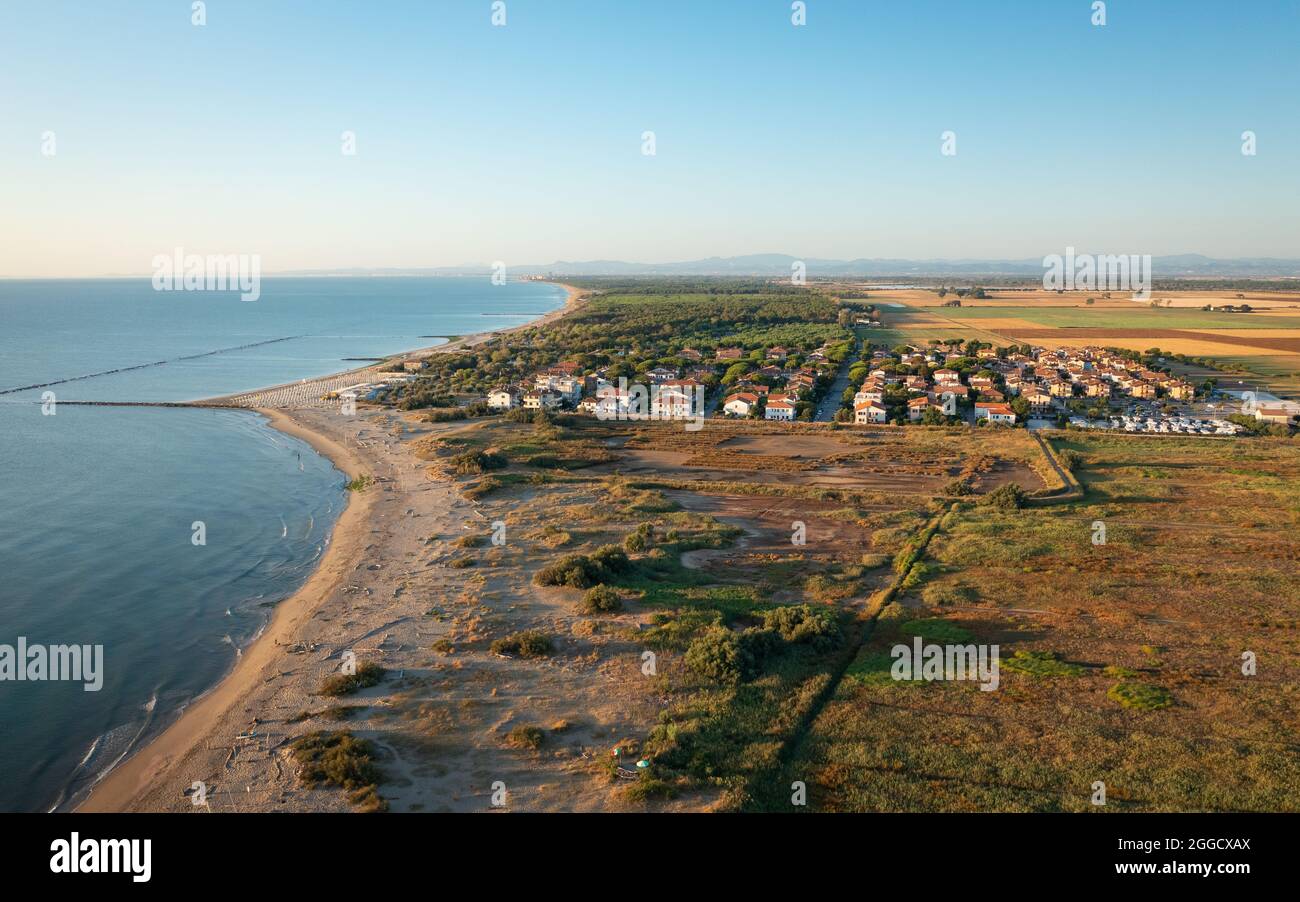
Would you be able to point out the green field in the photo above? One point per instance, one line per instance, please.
(1138, 318)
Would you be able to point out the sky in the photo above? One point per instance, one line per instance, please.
(523, 143)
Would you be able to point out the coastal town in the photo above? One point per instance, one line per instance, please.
(938, 384)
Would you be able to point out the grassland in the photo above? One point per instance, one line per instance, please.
(1122, 661)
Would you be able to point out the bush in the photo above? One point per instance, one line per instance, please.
(939, 595)
(1040, 663)
(641, 539)
(581, 571)
(728, 657)
(471, 462)
(1141, 696)
(461, 563)
(958, 488)
(527, 737)
(368, 674)
(1007, 497)
(336, 759)
(803, 623)
(601, 600)
(527, 644)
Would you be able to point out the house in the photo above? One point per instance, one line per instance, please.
(947, 377)
(541, 400)
(779, 410)
(741, 404)
(869, 396)
(870, 412)
(917, 407)
(1039, 400)
(677, 400)
(567, 386)
(690, 354)
(800, 382)
(992, 395)
(1281, 413)
(504, 398)
(981, 383)
(1096, 388)
(413, 364)
(661, 374)
(995, 413)
(777, 353)
(731, 354)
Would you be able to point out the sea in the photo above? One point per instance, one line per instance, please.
(166, 536)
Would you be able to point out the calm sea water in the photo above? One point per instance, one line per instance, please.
(98, 503)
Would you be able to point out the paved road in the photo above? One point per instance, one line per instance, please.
(831, 403)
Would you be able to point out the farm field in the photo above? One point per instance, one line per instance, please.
(1121, 662)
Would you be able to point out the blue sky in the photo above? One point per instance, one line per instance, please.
(523, 143)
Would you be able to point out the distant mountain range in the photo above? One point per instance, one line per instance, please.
(779, 265)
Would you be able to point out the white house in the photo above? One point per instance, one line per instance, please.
(503, 398)
(538, 400)
(677, 400)
(870, 412)
(779, 409)
(741, 404)
(995, 413)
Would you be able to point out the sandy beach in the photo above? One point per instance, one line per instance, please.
(385, 566)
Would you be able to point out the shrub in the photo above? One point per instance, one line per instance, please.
(527, 737)
(527, 644)
(647, 787)
(470, 462)
(601, 600)
(958, 488)
(1140, 696)
(367, 674)
(611, 560)
(361, 483)
(728, 657)
(641, 539)
(940, 595)
(1040, 663)
(580, 571)
(803, 623)
(573, 570)
(1007, 497)
(336, 759)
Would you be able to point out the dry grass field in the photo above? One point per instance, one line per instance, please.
(1122, 661)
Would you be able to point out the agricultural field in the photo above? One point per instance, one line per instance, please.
(1121, 660)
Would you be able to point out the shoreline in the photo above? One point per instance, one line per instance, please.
(127, 783)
